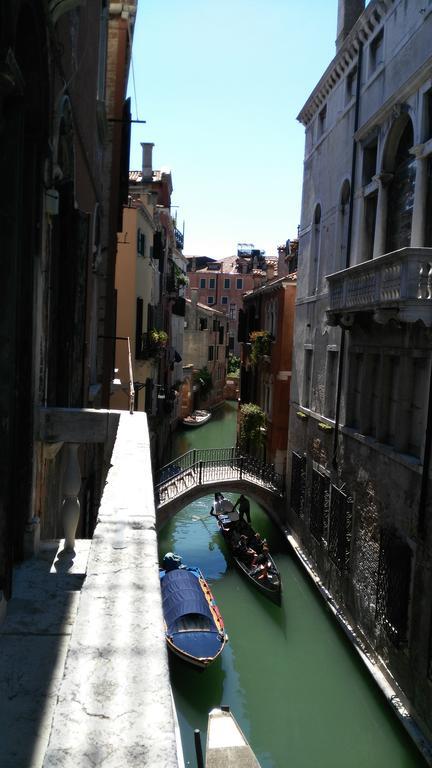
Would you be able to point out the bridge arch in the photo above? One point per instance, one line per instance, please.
(195, 475)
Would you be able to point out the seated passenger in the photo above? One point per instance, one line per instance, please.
(245, 552)
(262, 563)
(256, 542)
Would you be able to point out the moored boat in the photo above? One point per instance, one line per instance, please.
(264, 577)
(194, 627)
(197, 419)
(226, 742)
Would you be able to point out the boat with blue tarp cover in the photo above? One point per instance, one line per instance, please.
(194, 627)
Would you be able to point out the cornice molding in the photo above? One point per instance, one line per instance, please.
(365, 28)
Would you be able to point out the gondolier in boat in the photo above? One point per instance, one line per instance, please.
(224, 511)
(244, 508)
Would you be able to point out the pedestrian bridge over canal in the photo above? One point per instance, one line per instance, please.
(211, 469)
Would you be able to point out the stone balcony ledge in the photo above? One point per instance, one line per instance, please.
(397, 285)
(84, 671)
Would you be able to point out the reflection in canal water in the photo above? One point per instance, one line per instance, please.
(293, 682)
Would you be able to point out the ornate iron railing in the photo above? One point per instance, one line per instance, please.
(207, 465)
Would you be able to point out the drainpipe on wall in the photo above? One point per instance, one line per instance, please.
(426, 464)
(348, 256)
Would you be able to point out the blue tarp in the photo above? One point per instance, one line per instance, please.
(182, 594)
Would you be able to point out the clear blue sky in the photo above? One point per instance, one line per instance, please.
(220, 83)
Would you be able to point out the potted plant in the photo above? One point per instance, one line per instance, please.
(158, 338)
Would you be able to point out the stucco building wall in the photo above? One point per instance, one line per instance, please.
(358, 465)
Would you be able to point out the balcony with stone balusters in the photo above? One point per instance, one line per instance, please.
(395, 286)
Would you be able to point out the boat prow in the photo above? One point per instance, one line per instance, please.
(226, 742)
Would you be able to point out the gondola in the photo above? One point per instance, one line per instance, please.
(194, 627)
(271, 584)
(197, 419)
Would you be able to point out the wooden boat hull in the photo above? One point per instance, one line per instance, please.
(197, 419)
(194, 627)
(270, 587)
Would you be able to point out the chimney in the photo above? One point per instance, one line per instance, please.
(147, 162)
(348, 13)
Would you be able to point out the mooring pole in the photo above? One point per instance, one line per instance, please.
(198, 748)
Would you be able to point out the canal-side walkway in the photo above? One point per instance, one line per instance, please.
(84, 675)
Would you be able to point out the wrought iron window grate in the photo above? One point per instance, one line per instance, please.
(430, 652)
(339, 542)
(320, 503)
(298, 483)
(393, 587)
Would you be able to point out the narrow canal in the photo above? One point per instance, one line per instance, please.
(293, 682)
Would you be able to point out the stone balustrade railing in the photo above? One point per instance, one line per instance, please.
(65, 429)
(398, 283)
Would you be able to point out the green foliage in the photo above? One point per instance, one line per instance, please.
(261, 345)
(204, 379)
(180, 276)
(252, 425)
(158, 338)
(233, 365)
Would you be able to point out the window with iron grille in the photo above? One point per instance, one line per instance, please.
(320, 502)
(429, 671)
(298, 483)
(393, 587)
(339, 541)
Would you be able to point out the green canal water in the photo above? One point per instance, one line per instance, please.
(292, 680)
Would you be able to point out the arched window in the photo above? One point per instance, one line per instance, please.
(401, 188)
(342, 227)
(315, 250)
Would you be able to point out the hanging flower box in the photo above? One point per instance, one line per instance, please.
(158, 338)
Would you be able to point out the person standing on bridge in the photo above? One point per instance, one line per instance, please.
(243, 507)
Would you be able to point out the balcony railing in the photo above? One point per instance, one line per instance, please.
(178, 239)
(397, 285)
